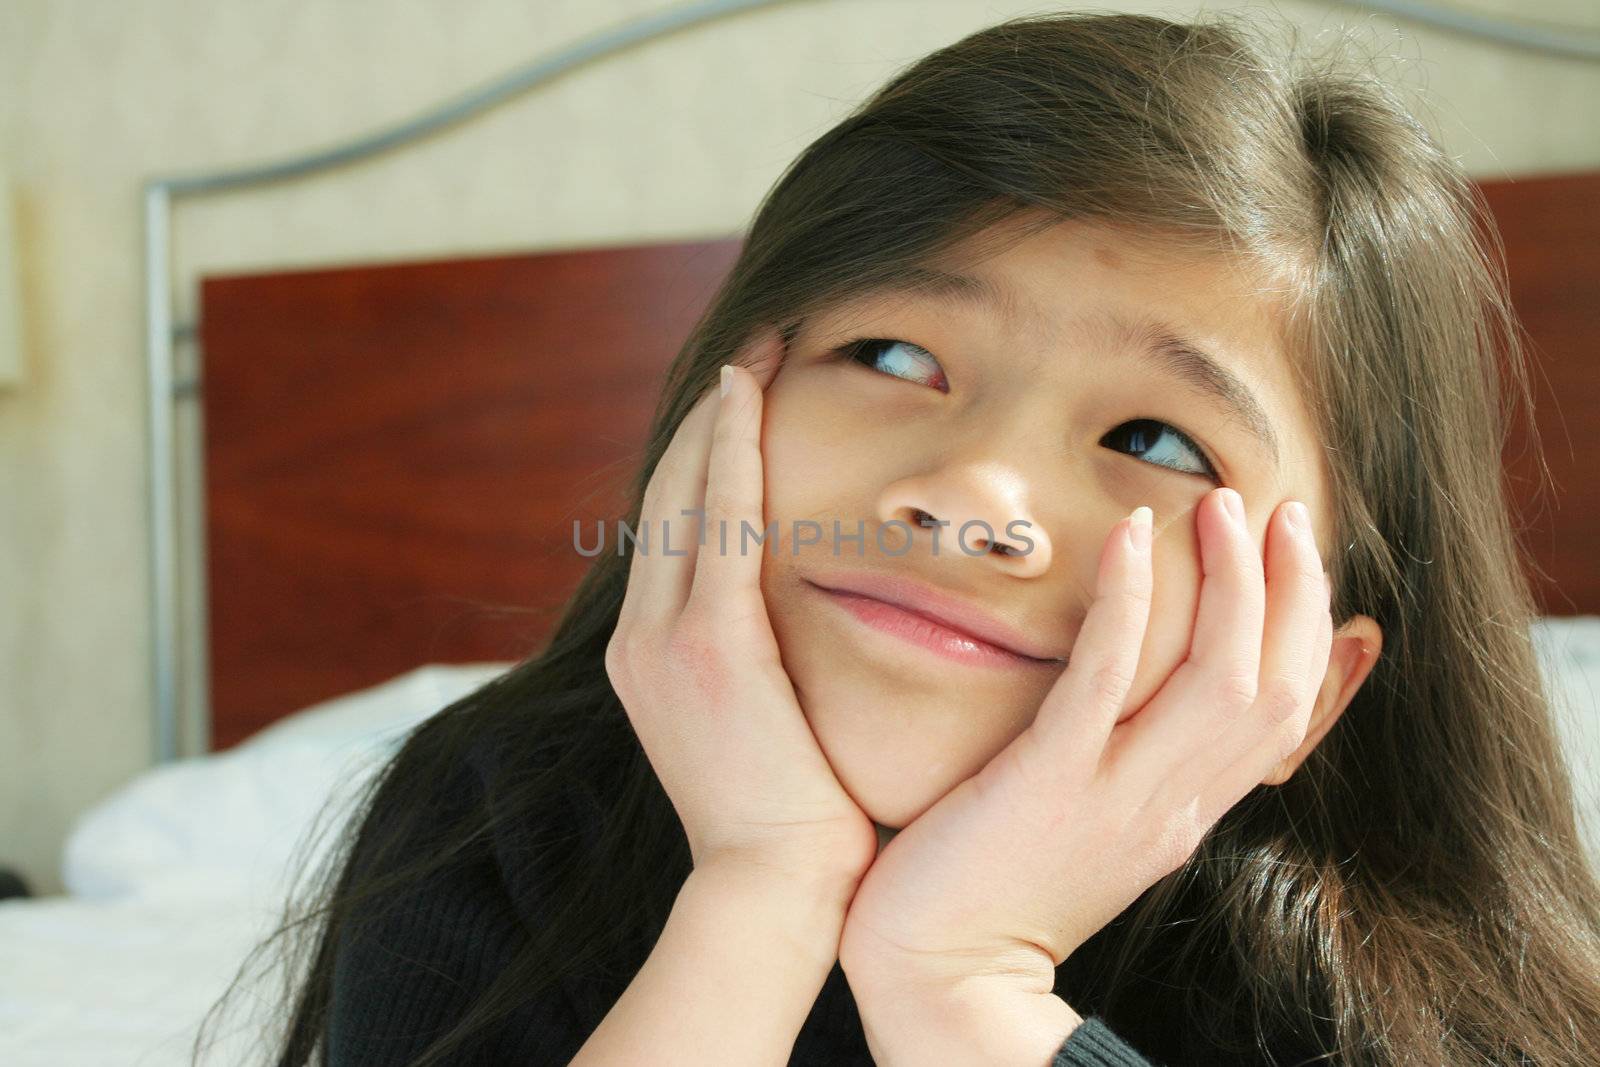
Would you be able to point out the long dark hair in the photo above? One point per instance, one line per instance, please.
(1416, 892)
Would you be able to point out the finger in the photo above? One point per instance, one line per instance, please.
(1216, 683)
(728, 573)
(764, 356)
(1078, 713)
(1233, 784)
(1293, 667)
(659, 583)
(1297, 596)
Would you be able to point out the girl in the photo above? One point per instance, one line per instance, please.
(965, 763)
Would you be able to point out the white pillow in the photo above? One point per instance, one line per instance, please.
(1569, 652)
(229, 823)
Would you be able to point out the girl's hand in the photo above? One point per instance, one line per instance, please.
(1018, 865)
(695, 663)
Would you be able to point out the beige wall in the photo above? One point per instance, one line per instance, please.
(675, 140)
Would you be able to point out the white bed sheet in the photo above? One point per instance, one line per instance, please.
(108, 982)
(172, 880)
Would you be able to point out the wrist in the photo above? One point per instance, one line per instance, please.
(827, 890)
(975, 1021)
(803, 918)
(732, 978)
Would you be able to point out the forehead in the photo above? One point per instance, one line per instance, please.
(1079, 281)
(1197, 315)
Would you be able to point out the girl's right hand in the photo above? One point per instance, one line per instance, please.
(696, 665)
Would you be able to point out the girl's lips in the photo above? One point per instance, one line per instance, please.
(929, 633)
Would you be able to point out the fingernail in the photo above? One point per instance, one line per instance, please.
(1298, 516)
(1139, 528)
(727, 378)
(1235, 505)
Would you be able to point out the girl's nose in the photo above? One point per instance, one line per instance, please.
(976, 511)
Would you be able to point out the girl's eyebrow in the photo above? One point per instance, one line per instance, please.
(1154, 343)
(1158, 345)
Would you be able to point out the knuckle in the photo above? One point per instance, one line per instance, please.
(694, 651)
(1110, 680)
(1237, 688)
(1180, 834)
(687, 640)
(1280, 702)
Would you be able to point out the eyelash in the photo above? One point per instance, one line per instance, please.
(854, 352)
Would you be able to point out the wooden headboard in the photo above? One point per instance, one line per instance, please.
(394, 454)
(1551, 230)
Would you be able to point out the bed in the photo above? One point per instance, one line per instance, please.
(405, 536)
(172, 880)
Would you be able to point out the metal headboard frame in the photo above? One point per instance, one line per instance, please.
(162, 334)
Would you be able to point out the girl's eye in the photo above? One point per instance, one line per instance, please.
(1159, 440)
(900, 358)
(914, 363)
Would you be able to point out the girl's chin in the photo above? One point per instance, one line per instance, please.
(896, 808)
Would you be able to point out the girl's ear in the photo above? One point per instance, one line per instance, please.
(1356, 647)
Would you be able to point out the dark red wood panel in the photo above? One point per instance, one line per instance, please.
(1551, 230)
(395, 453)
(394, 456)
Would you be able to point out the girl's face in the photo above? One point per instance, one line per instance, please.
(1050, 410)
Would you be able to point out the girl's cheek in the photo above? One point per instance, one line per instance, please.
(785, 473)
(1122, 483)
(812, 454)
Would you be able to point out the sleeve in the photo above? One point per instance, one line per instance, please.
(417, 964)
(406, 978)
(1094, 1044)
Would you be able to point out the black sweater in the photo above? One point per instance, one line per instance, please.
(418, 968)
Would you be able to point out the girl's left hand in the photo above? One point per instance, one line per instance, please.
(1018, 865)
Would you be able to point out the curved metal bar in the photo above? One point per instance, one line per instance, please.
(160, 332)
(159, 194)
(1567, 42)
(517, 82)
(158, 438)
